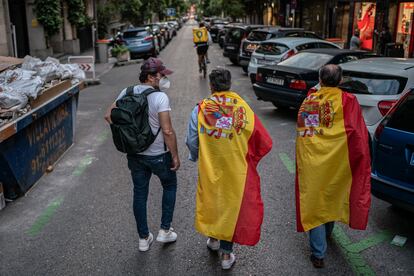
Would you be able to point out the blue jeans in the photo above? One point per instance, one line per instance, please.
(142, 167)
(317, 239)
(226, 247)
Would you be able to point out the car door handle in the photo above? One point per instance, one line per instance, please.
(386, 147)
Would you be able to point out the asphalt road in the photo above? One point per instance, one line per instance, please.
(78, 219)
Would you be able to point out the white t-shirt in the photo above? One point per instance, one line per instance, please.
(157, 102)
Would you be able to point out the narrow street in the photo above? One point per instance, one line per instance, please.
(78, 219)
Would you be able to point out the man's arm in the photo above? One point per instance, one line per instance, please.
(192, 135)
(108, 112)
(169, 138)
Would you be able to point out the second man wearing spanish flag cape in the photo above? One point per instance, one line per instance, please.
(228, 140)
(333, 175)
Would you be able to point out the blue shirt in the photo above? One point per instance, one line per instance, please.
(192, 135)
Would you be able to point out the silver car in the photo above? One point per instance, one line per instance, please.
(273, 51)
(378, 83)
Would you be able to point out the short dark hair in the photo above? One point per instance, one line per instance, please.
(220, 79)
(143, 76)
(201, 25)
(330, 75)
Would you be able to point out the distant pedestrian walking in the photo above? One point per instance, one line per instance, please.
(229, 140)
(333, 163)
(355, 43)
(160, 157)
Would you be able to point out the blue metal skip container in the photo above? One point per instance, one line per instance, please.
(35, 141)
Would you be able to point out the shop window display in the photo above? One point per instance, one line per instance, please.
(405, 26)
(365, 22)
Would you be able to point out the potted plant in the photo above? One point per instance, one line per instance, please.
(121, 52)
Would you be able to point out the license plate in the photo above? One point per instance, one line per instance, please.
(276, 81)
(136, 43)
(230, 48)
(213, 35)
(412, 160)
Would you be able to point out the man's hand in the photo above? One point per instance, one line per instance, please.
(108, 113)
(175, 163)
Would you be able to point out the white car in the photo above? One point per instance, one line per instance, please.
(378, 83)
(273, 51)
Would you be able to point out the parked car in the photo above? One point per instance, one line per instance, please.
(222, 34)
(156, 31)
(393, 155)
(378, 83)
(252, 41)
(141, 42)
(234, 36)
(273, 51)
(288, 83)
(216, 26)
(168, 30)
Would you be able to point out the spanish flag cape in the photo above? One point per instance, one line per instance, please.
(333, 161)
(232, 140)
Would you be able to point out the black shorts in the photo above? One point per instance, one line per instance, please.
(202, 49)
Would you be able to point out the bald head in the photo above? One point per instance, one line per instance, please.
(330, 75)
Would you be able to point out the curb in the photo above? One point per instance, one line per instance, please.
(129, 62)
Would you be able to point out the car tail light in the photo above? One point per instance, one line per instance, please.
(148, 38)
(259, 77)
(385, 106)
(289, 54)
(298, 84)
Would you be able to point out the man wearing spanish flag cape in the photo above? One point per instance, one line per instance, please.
(229, 141)
(333, 163)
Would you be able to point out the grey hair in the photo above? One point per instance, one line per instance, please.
(330, 75)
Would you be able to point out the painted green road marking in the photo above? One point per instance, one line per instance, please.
(45, 217)
(369, 242)
(103, 136)
(84, 163)
(289, 164)
(358, 265)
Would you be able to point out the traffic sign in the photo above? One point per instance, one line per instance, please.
(86, 63)
(170, 12)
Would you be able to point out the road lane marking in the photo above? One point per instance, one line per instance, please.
(103, 136)
(84, 163)
(358, 265)
(369, 242)
(45, 217)
(289, 164)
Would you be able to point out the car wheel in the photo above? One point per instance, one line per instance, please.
(244, 69)
(235, 61)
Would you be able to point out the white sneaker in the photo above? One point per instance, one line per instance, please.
(213, 244)
(227, 264)
(144, 244)
(166, 236)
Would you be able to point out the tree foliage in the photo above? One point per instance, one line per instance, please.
(48, 13)
(77, 13)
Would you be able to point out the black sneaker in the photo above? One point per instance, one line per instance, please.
(200, 70)
(317, 263)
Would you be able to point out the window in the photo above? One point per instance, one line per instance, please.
(372, 84)
(307, 46)
(326, 46)
(402, 118)
(258, 36)
(344, 59)
(135, 34)
(310, 35)
(272, 49)
(312, 61)
(294, 34)
(234, 35)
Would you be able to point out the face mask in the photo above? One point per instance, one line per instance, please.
(164, 84)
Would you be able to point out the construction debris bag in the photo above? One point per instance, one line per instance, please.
(10, 98)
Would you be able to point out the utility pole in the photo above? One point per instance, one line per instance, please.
(95, 31)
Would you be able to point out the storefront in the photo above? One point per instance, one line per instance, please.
(364, 22)
(404, 27)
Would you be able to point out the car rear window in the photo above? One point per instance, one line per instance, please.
(307, 60)
(258, 36)
(234, 35)
(135, 34)
(271, 49)
(372, 84)
(402, 118)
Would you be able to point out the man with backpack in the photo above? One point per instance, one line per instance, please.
(202, 39)
(141, 127)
